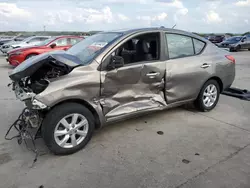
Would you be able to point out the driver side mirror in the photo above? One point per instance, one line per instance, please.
(115, 62)
(53, 45)
(243, 40)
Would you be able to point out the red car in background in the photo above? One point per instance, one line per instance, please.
(17, 56)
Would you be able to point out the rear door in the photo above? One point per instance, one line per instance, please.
(138, 86)
(187, 68)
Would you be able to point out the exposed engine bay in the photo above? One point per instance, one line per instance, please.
(39, 81)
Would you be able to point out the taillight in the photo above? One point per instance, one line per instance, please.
(230, 58)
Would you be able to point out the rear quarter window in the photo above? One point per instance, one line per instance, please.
(198, 45)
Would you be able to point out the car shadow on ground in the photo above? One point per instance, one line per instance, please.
(98, 136)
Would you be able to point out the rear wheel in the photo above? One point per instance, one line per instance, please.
(67, 128)
(29, 56)
(248, 49)
(208, 96)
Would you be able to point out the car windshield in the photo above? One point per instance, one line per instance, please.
(234, 39)
(88, 48)
(27, 39)
(45, 42)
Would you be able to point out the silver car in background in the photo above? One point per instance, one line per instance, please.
(30, 41)
(112, 76)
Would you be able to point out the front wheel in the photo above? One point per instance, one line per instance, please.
(67, 128)
(238, 48)
(208, 96)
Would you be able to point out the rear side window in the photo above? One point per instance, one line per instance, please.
(198, 46)
(179, 46)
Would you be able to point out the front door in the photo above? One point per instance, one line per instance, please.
(137, 86)
(245, 43)
(61, 44)
(187, 69)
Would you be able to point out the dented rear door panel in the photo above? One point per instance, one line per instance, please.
(185, 78)
(132, 89)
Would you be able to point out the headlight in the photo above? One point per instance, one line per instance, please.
(38, 105)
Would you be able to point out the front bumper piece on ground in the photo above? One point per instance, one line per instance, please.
(27, 126)
(28, 123)
(238, 93)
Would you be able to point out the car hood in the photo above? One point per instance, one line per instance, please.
(31, 65)
(229, 42)
(25, 48)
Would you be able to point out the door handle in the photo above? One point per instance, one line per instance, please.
(153, 74)
(205, 65)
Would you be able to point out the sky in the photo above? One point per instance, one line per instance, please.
(86, 15)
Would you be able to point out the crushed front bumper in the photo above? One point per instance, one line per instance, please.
(28, 97)
(27, 126)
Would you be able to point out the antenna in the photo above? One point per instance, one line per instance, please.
(173, 26)
(44, 27)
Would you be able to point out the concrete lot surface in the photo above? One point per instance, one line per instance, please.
(196, 150)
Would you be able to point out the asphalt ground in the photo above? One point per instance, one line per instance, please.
(194, 150)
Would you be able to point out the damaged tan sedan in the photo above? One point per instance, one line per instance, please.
(111, 76)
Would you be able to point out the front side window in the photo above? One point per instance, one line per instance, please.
(61, 42)
(179, 46)
(73, 41)
(141, 48)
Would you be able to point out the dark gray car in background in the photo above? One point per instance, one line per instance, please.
(112, 76)
(236, 43)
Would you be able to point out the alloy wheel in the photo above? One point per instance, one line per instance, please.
(71, 130)
(210, 95)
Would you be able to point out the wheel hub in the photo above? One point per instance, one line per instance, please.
(71, 130)
(210, 95)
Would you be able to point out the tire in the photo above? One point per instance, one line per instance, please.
(248, 49)
(51, 124)
(238, 48)
(199, 102)
(30, 55)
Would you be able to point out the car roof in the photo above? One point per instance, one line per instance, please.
(57, 36)
(39, 36)
(136, 30)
